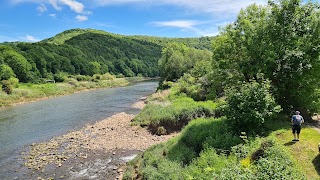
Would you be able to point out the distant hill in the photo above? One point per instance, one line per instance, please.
(198, 43)
(90, 51)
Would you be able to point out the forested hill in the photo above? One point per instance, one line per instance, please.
(198, 43)
(87, 52)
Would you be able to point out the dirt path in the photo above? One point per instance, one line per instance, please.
(97, 151)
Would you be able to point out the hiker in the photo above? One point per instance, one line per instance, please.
(296, 121)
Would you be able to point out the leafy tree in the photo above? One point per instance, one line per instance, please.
(280, 40)
(16, 61)
(6, 72)
(178, 59)
(250, 106)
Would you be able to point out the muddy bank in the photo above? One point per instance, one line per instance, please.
(97, 151)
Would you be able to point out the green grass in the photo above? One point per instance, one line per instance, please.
(305, 152)
(26, 92)
(205, 150)
(175, 114)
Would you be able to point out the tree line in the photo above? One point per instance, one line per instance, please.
(271, 50)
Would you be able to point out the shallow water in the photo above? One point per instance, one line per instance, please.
(39, 121)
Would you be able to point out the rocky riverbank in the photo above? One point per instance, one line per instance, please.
(97, 151)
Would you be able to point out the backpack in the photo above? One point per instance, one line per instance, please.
(297, 120)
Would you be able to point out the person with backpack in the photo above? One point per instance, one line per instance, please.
(296, 121)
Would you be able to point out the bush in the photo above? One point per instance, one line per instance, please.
(191, 87)
(250, 106)
(97, 76)
(13, 81)
(60, 77)
(208, 133)
(108, 76)
(6, 87)
(120, 76)
(81, 78)
(73, 82)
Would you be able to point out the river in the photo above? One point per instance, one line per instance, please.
(29, 123)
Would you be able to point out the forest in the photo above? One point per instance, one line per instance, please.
(86, 52)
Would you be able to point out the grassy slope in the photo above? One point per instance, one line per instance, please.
(305, 152)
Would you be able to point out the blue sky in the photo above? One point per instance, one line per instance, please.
(34, 20)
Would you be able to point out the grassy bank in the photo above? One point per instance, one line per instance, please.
(207, 149)
(26, 92)
(167, 113)
(305, 152)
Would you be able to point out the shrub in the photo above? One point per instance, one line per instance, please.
(60, 77)
(249, 106)
(81, 78)
(108, 76)
(208, 133)
(14, 82)
(120, 76)
(207, 166)
(97, 76)
(276, 164)
(73, 82)
(161, 131)
(165, 85)
(6, 87)
(188, 85)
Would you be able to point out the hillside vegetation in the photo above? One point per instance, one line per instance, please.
(86, 52)
(234, 108)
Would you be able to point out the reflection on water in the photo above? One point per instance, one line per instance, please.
(34, 122)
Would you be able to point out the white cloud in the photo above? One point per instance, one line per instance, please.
(81, 18)
(42, 8)
(30, 38)
(74, 5)
(52, 15)
(199, 28)
(177, 23)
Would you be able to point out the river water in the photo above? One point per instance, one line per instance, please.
(29, 123)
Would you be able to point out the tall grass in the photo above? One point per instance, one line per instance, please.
(175, 115)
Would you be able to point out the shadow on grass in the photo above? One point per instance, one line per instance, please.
(290, 143)
(316, 163)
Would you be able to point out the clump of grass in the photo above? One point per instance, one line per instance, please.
(160, 97)
(174, 116)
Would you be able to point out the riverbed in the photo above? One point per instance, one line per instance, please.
(25, 124)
